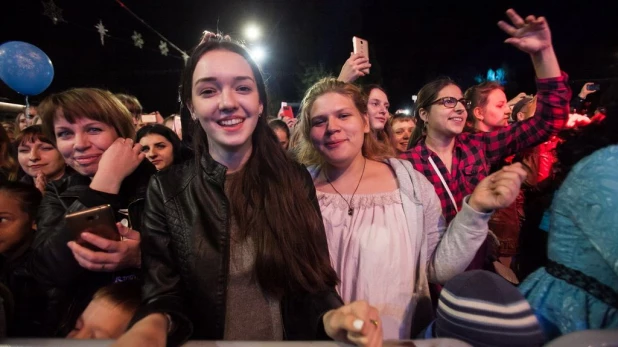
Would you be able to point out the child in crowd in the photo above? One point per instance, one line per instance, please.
(25, 306)
(108, 314)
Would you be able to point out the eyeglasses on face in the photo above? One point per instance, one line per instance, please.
(451, 102)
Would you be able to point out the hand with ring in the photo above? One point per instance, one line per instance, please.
(114, 255)
(357, 323)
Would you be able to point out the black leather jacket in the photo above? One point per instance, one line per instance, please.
(53, 263)
(185, 257)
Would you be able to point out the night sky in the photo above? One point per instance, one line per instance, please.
(411, 42)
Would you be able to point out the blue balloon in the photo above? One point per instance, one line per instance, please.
(25, 68)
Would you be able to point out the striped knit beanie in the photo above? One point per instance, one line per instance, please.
(483, 309)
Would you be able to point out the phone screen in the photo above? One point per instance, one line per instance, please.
(149, 118)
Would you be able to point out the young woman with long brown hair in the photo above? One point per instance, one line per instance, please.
(233, 241)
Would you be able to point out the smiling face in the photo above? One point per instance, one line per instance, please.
(158, 150)
(377, 109)
(495, 114)
(225, 100)
(82, 143)
(444, 121)
(337, 128)
(40, 157)
(401, 133)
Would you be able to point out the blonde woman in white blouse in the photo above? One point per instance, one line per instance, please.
(386, 234)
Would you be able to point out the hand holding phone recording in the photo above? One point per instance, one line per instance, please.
(593, 86)
(113, 255)
(361, 47)
(356, 66)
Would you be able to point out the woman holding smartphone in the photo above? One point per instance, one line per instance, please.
(94, 133)
(233, 208)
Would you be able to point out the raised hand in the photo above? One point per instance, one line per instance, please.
(117, 162)
(356, 66)
(585, 92)
(499, 189)
(40, 182)
(531, 35)
(516, 99)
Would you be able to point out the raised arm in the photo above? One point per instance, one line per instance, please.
(532, 36)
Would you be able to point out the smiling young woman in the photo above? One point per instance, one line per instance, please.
(232, 207)
(455, 162)
(371, 206)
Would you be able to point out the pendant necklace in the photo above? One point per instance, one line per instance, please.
(350, 209)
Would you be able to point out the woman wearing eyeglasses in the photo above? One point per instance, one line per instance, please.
(455, 162)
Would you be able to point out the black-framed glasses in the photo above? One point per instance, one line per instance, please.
(451, 102)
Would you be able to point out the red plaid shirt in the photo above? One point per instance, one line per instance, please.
(474, 153)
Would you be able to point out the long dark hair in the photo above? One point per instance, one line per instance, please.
(428, 93)
(180, 151)
(8, 164)
(271, 202)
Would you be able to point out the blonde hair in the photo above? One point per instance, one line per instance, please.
(304, 150)
(92, 103)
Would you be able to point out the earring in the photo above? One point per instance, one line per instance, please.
(193, 116)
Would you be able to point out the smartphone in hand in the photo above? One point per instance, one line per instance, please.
(286, 110)
(97, 220)
(361, 46)
(149, 118)
(593, 87)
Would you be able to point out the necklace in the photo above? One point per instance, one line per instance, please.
(350, 209)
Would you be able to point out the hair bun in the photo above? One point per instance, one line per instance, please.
(210, 36)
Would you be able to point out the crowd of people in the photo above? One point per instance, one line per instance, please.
(478, 218)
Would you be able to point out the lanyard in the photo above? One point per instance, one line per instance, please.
(448, 190)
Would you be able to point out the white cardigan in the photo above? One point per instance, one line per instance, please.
(441, 252)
